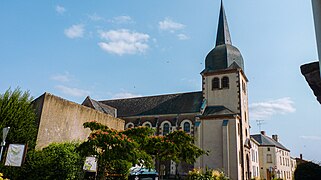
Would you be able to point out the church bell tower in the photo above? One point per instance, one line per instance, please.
(224, 80)
(224, 87)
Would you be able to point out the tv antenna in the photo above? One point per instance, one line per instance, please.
(259, 123)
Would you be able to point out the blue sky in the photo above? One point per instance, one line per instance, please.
(113, 49)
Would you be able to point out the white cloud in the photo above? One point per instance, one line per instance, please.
(75, 31)
(314, 138)
(72, 91)
(123, 95)
(122, 20)
(60, 9)
(264, 110)
(123, 41)
(95, 17)
(182, 37)
(170, 25)
(61, 77)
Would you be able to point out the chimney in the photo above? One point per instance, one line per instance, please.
(301, 157)
(263, 133)
(275, 137)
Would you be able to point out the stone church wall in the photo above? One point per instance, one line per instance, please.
(61, 120)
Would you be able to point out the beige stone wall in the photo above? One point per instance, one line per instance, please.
(227, 97)
(280, 165)
(61, 120)
(222, 142)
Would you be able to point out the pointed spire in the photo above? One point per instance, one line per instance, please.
(223, 33)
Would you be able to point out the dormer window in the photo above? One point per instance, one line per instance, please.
(225, 82)
(215, 83)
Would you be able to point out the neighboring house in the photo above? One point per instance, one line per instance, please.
(255, 159)
(62, 121)
(293, 165)
(274, 158)
(217, 116)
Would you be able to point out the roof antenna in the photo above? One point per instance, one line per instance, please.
(259, 124)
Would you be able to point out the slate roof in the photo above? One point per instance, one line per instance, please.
(157, 105)
(267, 141)
(100, 106)
(217, 110)
(224, 54)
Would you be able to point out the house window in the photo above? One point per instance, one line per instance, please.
(165, 129)
(225, 82)
(130, 126)
(147, 125)
(269, 158)
(268, 149)
(187, 127)
(215, 83)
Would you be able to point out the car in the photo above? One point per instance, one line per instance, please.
(141, 173)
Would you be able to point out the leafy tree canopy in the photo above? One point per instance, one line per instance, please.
(308, 171)
(137, 146)
(17, 113)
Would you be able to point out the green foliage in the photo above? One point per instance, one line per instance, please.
(57, 161)
(198, 174)
(119, 150)
(17, 113)
(116, 151)
(308, 171)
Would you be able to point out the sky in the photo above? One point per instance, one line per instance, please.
(125, 48)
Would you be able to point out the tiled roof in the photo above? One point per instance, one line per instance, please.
(157, 105)
(267, 141)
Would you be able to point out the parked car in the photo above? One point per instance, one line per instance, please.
(140, 173)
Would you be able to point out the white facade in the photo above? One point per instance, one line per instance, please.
(274, 159)
(255, 171)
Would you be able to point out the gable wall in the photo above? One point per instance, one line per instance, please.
(62, 120)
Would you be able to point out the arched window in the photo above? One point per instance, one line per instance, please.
(130, 126)
(147, 125)
(215, 83)
(165, 129)
(225, 82)
(187, 127)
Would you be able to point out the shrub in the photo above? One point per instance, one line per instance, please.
(57, 161)
(198, 174)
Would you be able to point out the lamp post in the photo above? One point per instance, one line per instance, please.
(4, 136)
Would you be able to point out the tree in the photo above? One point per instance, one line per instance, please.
(177, 146)
(307, 171)
(119, 150)
(17, 112)
(116, 151)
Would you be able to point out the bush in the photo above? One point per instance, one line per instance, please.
(198, 174)
(57, 161)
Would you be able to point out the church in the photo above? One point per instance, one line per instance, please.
(217, 116)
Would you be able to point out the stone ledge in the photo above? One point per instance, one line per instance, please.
(311, 72)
